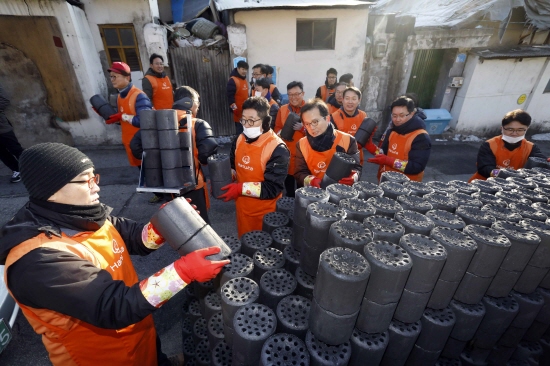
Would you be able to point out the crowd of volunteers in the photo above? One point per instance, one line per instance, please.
(67, 259)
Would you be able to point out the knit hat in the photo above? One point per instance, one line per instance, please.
(48, 167)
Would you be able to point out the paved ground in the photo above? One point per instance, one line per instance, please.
(449, 161)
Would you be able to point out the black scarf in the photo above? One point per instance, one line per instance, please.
(74, 217)
(324, 141)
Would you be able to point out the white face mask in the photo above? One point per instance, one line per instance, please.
(252, 132)
(512, 140)
(257, 94)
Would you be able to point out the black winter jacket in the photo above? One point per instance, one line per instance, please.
(420, 148)
(46, 278)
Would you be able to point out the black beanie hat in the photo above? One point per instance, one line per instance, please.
(48, 167)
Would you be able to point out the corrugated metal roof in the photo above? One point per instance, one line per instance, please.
(513, 52)
(258, 4)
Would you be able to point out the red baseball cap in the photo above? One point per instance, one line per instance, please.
(120, 68)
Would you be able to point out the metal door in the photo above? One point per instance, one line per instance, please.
(206, 71)
(424, 75)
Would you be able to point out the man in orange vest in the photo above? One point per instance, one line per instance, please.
(348, 118)
(156, 85)
(261, 89)
(130, 101)
(314, 152)
(325, 91)
(335, 102)
(261, 71)
(295, 92)
(509, 150)
(407, 143)
(260, 159)
(237, 92)
(70, 269)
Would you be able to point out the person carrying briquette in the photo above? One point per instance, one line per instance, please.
(260, 160)
(349, 117)
(406, 147)
(314, 151)
(204, 145)
(326, 90)
(130, 102)
(68, 266)
(508, 150)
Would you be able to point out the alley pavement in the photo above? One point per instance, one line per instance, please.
(448, 161)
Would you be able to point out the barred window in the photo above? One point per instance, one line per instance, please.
(120, 44)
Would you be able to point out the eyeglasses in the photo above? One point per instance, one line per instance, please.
(158, 64)
(295, 95)
(256, 74)
(249, 122)
(338, 92)
(91, 181)
(313, 123)
(516, 130)
(400, 116)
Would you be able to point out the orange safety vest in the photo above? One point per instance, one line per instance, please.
(326, 92)
(350, 125)
(250, 162)
(70, 341)
(128, 105)
(317, 162)
(163, 95)
(285, 111)
(399, 147)
(332, 109)
(240, 96)
(505, 158)
(198, 170)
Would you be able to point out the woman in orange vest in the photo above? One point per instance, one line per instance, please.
(325, 91)
(407, 144)
(348, 118)
(156, 85)
(70, 269)
(295, 92)
(260, 159)
(509, 150)
(130, 101)
(237, 92)
(314, 152)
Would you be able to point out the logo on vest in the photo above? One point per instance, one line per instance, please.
(246, 161)
(117, 250)
(394, 146)
(321, 165)
(121, 109)
(354, 127)
(506, 162)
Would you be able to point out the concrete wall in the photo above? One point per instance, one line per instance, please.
(271, 39)
(492, 89)
(395, 65)
(83, 42)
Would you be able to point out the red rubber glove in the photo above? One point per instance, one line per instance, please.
(382, 159)
(315, 182)
(195, 267)
(349, 181)
(234, 190)
(371, 147)
(95, 110)
(114, 118)
(548, 159)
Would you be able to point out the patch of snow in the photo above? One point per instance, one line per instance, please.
(470, 138)
(541, 137)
